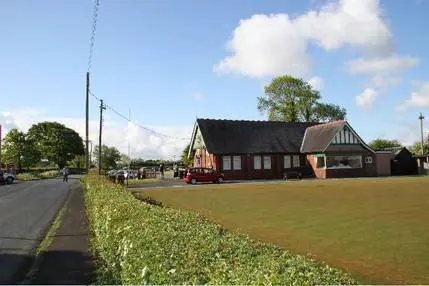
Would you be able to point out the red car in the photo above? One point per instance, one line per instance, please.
(195, 175)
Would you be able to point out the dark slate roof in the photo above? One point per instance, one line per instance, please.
(318, 137)
(246, 137)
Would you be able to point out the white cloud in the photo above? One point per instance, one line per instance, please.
(316, 82)
(382, 81)
(198, 96)
(418, 98)
(270, 45)
(143, 143)
(366, 98)
(377, 65)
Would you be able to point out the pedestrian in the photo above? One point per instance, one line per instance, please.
(175, 170)
(161, 170)
(65, 171)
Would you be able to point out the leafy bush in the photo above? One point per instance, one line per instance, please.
(31, 176)
(49, 174)
(139, 243)
(28, 176)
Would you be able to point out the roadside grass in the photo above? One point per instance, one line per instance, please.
(138, 243)
(142, 182)
(375, 229)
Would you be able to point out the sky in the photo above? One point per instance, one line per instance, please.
(168, 62)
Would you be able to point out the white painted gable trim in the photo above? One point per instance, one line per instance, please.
(354, 134)
(194, 134)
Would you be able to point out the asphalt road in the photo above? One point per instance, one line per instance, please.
(26, 211)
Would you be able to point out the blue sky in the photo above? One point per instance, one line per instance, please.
(169, 61)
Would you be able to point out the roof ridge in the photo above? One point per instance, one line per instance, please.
(328, 123)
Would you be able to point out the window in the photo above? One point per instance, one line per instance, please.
(226, 163)
(296, 162)
(236, 162)
(320, 162)
(368, 160)
(286, 162)
(267, 162)
(343, 162)
(257, 162)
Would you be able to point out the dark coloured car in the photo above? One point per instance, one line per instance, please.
(199, 175)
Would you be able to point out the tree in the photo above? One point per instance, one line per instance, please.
(323, 112)
(19, 149)
(78, 162)
(56, 142)
(381, 144)
(294, 100)
(416, 148)
(110, 157)
(184, 157)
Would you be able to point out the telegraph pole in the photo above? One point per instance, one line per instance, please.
(102, 107)
(87, 124)
(421, 117)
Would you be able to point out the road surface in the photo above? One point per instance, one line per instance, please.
(26, 211)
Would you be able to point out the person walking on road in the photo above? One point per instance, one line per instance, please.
(65, 171)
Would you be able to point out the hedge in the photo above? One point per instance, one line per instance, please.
(140, 243)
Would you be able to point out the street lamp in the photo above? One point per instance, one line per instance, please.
(421, 117)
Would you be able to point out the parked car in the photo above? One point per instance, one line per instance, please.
(6, 178)
(195, 175)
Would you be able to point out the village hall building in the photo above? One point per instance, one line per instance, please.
(244, 149)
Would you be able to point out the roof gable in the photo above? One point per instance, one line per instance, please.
(247, 137)
(318, 138)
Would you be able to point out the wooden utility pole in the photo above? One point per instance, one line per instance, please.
(421, 117)
(102, 107)
(87, 124)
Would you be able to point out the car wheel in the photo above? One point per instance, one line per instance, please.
(219, 180)
(9, 180)
(193, 181)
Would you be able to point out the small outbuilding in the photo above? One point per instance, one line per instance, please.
(402, 162)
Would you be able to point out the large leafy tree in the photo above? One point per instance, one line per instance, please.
(382, 144)
(20, 150)
(110, 157)
(184, 157)
(416, 148)
(294, 100)
(56, 142)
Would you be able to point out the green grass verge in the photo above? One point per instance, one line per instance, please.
(375, 229)
(138, 243)
(142, 182)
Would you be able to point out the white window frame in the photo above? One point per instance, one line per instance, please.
(338, 156)
(257, 165)
(236, 162)
(368, 160)
(267, 157)
(295, 158)
(226, 161)
(287, 162)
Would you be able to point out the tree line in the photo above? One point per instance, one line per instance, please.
(45, 144)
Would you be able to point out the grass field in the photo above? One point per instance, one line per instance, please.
(375, 229)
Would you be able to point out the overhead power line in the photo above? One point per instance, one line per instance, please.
(94, 28)
(139, 125)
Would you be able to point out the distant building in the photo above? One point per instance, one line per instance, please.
(270, 149)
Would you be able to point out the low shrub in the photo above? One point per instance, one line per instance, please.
(28, 176)
(31, 176)
(139, 243)
(49, 174)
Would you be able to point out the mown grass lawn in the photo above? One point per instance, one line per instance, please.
(142, 182)
(375, 229)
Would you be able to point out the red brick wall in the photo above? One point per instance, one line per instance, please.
(319, 173)
(206, 160)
